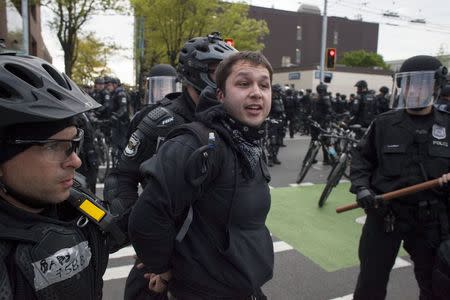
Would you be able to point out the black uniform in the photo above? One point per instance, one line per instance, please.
(120, 120)
(88, 155)
(276, 128)
(104, 98)
(148, 128)
(382, 103)
(290, 106)
(227, 252)
(364, 109)
(47, 256)
(400, 150)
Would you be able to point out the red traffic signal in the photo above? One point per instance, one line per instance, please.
(331, 58)
(229, 41)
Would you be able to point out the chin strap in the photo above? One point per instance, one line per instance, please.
(28, 201)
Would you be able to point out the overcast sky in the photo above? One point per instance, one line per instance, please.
(398, 37)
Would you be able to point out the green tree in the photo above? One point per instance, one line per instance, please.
(361, 58)
(91, 59)
(170, 23)
(69, 18)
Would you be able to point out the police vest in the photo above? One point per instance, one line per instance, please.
(59, 260)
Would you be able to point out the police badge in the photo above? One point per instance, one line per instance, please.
(132, 146)
(439, 132)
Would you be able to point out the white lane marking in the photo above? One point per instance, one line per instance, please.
(344, 181)
(301, 184)
(123, 271)
(281, 246)
(124, 252)
(271, 187)
(401, 263)
(100, 185)
(117, 272)
(361, 220)
(347, 297)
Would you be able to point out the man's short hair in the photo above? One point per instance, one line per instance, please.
(224, 68)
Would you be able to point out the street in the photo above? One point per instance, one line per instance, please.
(308, 263)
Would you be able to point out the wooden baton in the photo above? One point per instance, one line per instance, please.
(395, 194)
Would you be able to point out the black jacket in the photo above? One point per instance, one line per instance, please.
(394, 155)
(123, 181)
(227, 252)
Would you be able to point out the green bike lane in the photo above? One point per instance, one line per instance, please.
(324, 261)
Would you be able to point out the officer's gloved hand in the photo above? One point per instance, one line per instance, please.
(366, 198)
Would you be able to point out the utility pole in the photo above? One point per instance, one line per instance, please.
(26, 27)
(324, 41)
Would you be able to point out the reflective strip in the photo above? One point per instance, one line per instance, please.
(92, 210)
(62, 265)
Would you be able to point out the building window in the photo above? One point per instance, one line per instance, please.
(297, 56)
(335, 37)
(285, 61)
(299, 33)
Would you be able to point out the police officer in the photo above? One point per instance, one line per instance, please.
(118, 110)
(275, 125)
(382, 100)
(162, 80)
(48, 248)
(198, 60)
(402, 147)
(364, 108)
(290, 110)
(226, 252)
(321, 113)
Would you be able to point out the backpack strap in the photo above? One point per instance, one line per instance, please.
(197, 167)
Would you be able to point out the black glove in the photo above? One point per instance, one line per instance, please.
(366, 198)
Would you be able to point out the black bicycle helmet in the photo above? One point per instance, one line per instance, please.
(32, 90)
(197, 54)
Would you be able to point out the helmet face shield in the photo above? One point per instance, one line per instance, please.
(160, 86)
(413, 90)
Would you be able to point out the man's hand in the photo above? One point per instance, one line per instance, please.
(158, 282)
(443, 180)
(366, 198)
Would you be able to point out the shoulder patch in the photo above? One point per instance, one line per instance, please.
(132, 146)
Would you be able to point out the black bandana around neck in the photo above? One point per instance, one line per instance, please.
(248, 142)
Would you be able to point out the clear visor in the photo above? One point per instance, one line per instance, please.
(413, 90)
(160, 86)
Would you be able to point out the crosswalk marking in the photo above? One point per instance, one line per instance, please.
(123, 271)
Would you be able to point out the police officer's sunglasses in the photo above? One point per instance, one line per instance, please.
(57, 150)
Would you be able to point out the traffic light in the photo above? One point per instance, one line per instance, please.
(330, 58)
(229, 41)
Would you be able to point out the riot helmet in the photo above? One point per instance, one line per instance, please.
(199, 57)
(32, 90)
(384, 90)
(418, 83)
(99, 80)
(321, 89)
(361, 86)
(162, 80)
